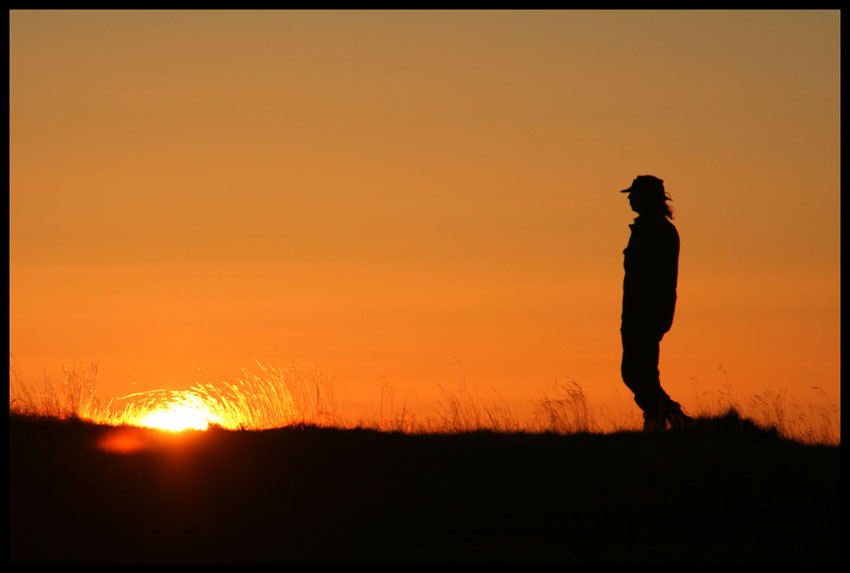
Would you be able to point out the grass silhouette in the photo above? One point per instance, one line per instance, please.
(279, 396)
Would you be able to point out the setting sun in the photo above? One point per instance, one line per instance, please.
(177, 419)
(184, 411)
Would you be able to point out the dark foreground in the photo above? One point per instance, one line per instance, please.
(720, 492)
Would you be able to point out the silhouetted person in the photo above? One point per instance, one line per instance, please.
(649, 300)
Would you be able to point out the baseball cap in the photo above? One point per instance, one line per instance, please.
(649, 185)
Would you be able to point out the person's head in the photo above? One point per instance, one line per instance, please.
(648, 197)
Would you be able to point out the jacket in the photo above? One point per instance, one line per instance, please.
(651, 262)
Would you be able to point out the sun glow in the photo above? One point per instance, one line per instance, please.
(178, 417)
(274, 398)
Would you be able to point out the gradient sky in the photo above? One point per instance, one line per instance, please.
(418, 198)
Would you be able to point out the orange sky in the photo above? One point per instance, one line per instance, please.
(421, 197)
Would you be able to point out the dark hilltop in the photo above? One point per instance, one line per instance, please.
(722, 490)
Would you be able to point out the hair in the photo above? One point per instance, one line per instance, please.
(665, 208)
(657, 206)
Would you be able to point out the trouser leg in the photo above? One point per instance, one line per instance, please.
(639, 368)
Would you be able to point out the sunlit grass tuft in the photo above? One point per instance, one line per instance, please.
(565, 411)
(776, 409)
(74, 396)
(274, 397)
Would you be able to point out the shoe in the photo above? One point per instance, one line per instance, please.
(677, 418)
(654, 420)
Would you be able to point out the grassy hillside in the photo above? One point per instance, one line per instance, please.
(721, 491)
